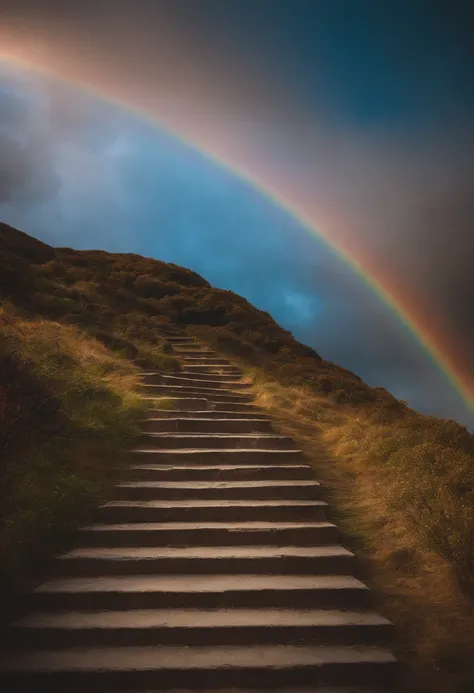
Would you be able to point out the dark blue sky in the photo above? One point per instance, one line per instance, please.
(363, 108)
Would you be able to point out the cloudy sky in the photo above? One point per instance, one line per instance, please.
(358, 112)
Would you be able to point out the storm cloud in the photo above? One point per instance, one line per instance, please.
(355, 112)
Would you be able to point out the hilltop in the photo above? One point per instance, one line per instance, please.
(119, 298)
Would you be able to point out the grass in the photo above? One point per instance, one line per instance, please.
(164, 403)
(68, 416)
(402, 495)
(126, 300)
(74, 327)
(401, 485)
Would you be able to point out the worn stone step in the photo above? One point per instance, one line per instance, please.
(192, 350)
(189, 380)
(181, 339)
(307, 489)
(216, 456)
(182, 404)
(293, 689)
(116, 512)
(208, 534)
(206, 425)
(214, 546)
(186, 353)
(206, 591)
(212, 394)
(283, 560)
(229, 380)
(220, 361)
(233, 382)
(206, 360)
(218, 405)
(222, 472)
(193, 389)
(169, 330)
(184, 376)
(95, 669)
(222, 441)
(188, 627)
(207, 370)
(227, 377)
(250, 413)
(222, 366)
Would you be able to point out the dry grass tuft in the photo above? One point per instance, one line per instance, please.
(402, 497)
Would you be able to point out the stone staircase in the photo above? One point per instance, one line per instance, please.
(214, 566)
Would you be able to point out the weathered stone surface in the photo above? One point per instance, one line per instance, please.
(207, 425)
(266, 666)
(212, 511)
(214, 568)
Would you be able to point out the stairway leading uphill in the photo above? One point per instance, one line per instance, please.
(213, 568)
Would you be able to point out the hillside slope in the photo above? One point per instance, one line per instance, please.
(402, 483)
(125, 296)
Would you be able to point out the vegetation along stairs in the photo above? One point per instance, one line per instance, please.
(214, 567)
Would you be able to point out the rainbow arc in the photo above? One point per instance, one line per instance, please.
(413, 323)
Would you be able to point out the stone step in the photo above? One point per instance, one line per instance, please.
(212, 394)
(220, 472)
(181, 339)
(206, 369)
(192, 350)
(216, 568)
(208, 534)
(99, 668)
(190, 380)
(222, 441)
(199, 627)
(229, 380)
(293, 689)
(215, 456)
(205, 372)
(169, 330)
(181, 404)
(211, 375)
(206, 591)
(186, 353)
(308, 489)
(206, 361)
(250, 413)
(117, 512)
(222, 366)
(227, 406)
(206, 425)
(282, 560)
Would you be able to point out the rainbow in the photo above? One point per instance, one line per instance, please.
(414, 324)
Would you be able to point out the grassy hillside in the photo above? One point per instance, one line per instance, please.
(68, 414)
(121, 298)
(403, 495)
(402, 484)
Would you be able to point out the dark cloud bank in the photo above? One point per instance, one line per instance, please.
(396, 146)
